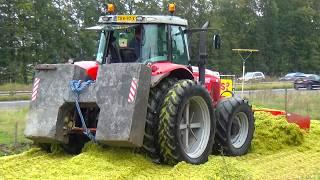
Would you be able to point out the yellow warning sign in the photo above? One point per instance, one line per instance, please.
(226, 87)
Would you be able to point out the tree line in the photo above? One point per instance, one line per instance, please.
(287, 33)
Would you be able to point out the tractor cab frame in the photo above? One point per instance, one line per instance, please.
(142, 39)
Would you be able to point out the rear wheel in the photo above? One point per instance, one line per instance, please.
(235, 127)
(187, 124)
(44, 146)
(156, 97)
(75, 144)
(295, 87)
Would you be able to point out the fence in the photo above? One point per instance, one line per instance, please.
(302, 102)
(12, 123)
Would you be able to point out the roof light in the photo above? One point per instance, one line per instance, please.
(172, 8)
(110, 8)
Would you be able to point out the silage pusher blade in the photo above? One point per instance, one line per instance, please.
(302, 121)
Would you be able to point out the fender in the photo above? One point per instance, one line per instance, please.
(212, 84)
(90, 66)
(160, 70)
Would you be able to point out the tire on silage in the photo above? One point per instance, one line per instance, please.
(227, 113)
(44, 146)
(156, 97)
(75, 144)
(172, 147)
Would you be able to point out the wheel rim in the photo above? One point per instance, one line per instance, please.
(195, 127)
(239, 129)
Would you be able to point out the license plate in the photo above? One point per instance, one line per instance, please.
(125, 18)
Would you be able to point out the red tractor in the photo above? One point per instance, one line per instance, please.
(143, 93)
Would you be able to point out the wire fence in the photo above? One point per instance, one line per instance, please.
(303, 102)
(12, 123)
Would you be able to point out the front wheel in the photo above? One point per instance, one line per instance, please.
(187, 124)
(44, 146)
(235, 127)
(75, 144)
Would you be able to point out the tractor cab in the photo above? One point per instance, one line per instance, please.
(142, 39)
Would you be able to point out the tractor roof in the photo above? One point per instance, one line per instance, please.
(142, 19)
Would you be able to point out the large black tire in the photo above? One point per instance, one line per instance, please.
(156, 97)
(74, 146)
(44, 146)
(235, 127)
(76, 143)
(174, 131)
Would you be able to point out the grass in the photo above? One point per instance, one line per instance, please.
(15, 87)
(15, 97)
(8, 120)
(301, 102)
(12, 88)
(268, 85)
(288, 157)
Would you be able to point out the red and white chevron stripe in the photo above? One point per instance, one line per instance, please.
(35, 89)
(133, 90)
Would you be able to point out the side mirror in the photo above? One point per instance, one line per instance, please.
(216, 41)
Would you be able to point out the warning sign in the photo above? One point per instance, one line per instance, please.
(226, 87)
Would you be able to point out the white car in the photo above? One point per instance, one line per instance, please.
(253, 76)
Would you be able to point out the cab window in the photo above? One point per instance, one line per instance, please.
(180, 54)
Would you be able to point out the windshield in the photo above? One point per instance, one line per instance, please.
(313, 77)
(135, 43)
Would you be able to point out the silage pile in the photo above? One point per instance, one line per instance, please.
(276, 142)
(274, 133)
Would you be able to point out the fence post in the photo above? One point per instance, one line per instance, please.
(16, 133)
(286, 100)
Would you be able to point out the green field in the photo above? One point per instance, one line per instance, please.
(264, 85)
(8, 121)
(11, 88)
(15, 97)
(279, 151)
(15, 87)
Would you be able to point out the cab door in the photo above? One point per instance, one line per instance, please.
(179, 49)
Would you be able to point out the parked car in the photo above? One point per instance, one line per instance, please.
(253, 76)
(311, 81)
(292, 76)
